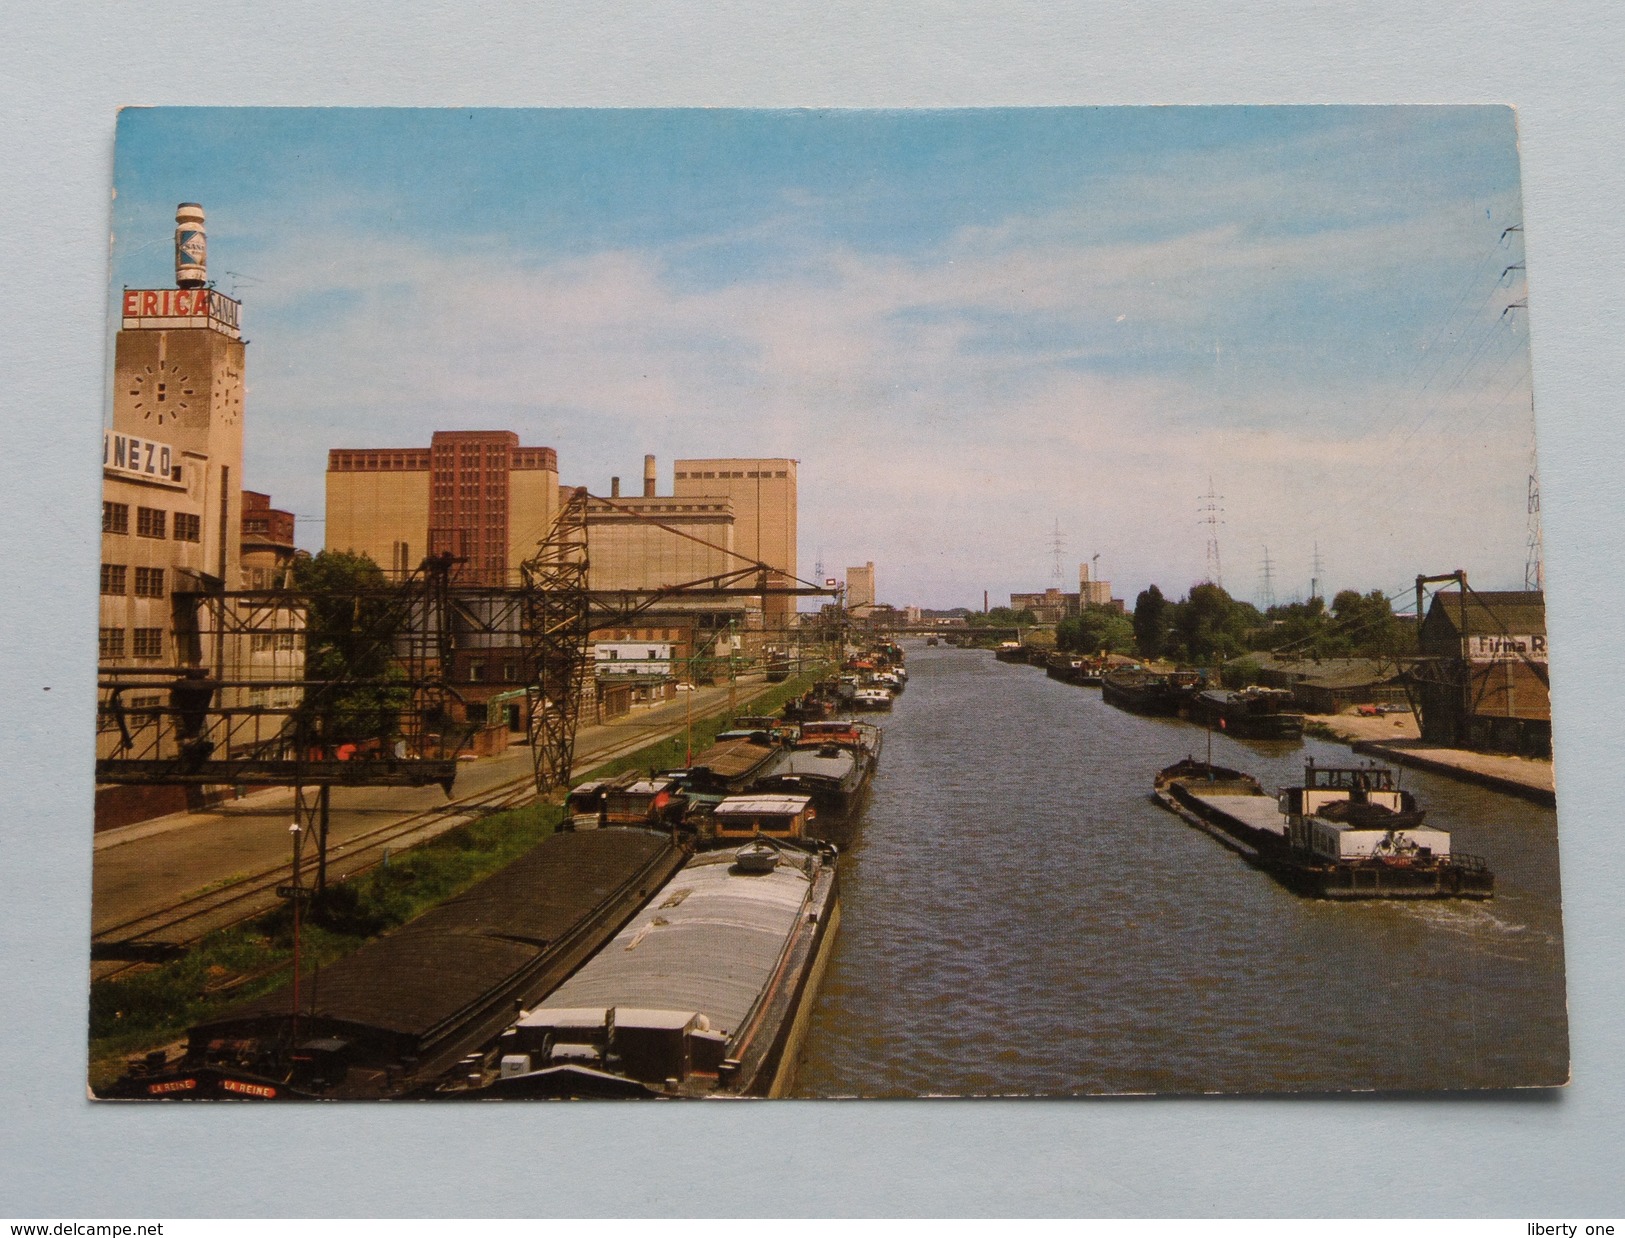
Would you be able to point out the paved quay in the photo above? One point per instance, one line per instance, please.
(1394, 737)
(144, 867)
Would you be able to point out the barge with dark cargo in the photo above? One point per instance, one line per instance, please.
(1250, 713)
(406, 1008)
(1345, 833)
(706, 993)
(833, 763)
(1157, 693)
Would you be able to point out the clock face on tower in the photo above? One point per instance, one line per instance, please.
(161, 392)
(228, 394)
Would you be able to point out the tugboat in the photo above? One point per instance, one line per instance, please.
(1347, 832)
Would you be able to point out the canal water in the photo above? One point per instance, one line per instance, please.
(1021, 919)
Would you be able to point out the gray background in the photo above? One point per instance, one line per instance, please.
(65, 73)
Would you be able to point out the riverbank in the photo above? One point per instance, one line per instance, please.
(1394, 737)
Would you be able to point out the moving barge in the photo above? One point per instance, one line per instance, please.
(706, 993)
(407, 1007)
(1347, 832)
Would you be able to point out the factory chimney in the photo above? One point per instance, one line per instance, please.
(648, 477)
(614, 487)
(191, 247)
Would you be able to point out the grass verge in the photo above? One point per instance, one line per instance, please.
(155, 1006)
(671, 753)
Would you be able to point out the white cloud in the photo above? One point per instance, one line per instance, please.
(946, 410)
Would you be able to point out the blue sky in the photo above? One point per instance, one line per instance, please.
(968, 326)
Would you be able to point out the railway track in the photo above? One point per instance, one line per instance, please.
(166, 932)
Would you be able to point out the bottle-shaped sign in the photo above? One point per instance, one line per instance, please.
(191, 247)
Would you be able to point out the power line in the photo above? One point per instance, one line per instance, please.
(1210, 511)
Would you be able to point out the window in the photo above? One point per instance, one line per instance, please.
(113, 579)
(115, 517)
(111, 644)
(149, 582)
(509, 671)
(259, 642)
(259, 698)
(285, 641)
(149, 643)
(189, 528)
(149, 521)
(476, 672)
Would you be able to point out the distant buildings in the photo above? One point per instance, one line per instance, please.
(1052, 605)
(860, 590)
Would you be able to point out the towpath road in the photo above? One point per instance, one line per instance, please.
(143, 868)
(1394, 737)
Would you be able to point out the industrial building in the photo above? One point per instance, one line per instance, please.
(1052, 605)
(172, 460)
(647, 541)
(762, 493)
(477, 494)
(860, 590)
(175, 520)
(1481, 680)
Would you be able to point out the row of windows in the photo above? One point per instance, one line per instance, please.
(151, 522)
(269, 642)
(476, 671)
(149, 581)
(355, 461)
(763, 474)
(265, 698)
(147, 643)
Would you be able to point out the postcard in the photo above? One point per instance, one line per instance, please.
(698, 603)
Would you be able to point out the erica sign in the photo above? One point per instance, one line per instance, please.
(138, 457)
(180, 307)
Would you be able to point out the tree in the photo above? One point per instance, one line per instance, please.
(1150, 622)
(1097, 629)
(350, 631)
(1369, 625)
(1209, 624)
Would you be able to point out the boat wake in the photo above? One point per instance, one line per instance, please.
(1479, 924)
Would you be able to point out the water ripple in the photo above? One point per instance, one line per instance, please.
(1020, 919)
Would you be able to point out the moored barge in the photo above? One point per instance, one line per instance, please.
(1347, 832)
(1251, 713)
(1158, 693)
(707, 992)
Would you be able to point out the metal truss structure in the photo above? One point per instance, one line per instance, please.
(356, 682)
(329, 686)
(557, 627)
